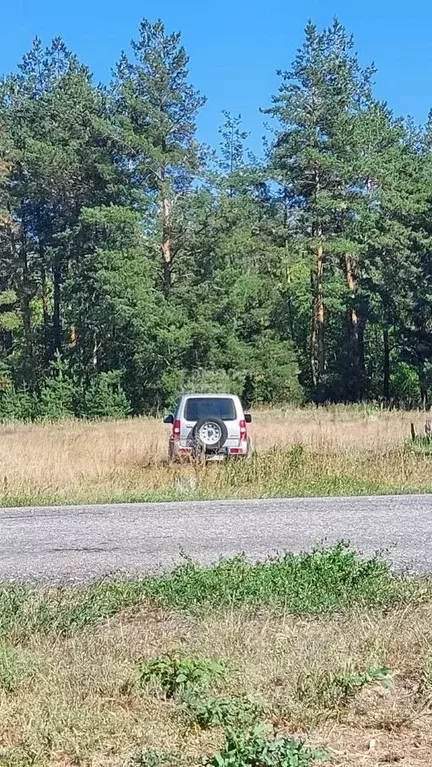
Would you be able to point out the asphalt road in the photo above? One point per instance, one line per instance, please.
(78, 544)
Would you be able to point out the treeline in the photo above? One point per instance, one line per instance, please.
(136, 263)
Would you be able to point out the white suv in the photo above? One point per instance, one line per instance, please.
(212, 426)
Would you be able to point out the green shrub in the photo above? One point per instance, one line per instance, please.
(404, 383)
(261, 747)
(17, 405)
(222, 712)
(58, 393)
(105, 398)
(176, 675)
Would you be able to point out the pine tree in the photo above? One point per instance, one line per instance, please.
(156, 109)
(313, 158)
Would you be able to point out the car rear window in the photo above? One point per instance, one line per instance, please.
(205, 407)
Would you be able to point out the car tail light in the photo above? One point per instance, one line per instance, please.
(243, 431)
(176, 430)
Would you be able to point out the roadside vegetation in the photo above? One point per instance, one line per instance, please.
(310, 451)
(318, 658)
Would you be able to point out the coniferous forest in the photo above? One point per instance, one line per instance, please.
(136, 263)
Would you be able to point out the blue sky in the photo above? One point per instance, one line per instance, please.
(236, 46)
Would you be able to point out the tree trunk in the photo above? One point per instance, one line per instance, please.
(317, 336)
(73, 341)
(361, 347)
(166, 245)
(354, 331)
(25, 308)
(386, 370)
(57, 327)
(95, 352)
(45, 311)
(6, 341)
(18, 241)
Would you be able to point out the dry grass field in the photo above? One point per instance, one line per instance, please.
(346, 669)
(74, 705)
(311, 451)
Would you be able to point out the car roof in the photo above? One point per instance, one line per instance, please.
(210, 396)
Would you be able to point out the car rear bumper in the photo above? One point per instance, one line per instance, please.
(182, 450)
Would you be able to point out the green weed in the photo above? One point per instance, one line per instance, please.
(334, 691)
(261, 747)
(15, 667)
(176, 675)
(239, 713)
(333, 579)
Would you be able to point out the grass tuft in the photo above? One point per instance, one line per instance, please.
(327, 691)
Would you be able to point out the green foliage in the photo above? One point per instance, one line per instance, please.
(320, 581)
(213, 382)
(105, 398)
(325, 690)
(14, 668)
(17, 405)
(152, 757)
(236, 713)
(275, 374)
(58, 393)
(404, 383)
(325, 580)
(261, 747)
(304, 276)
(176, 675)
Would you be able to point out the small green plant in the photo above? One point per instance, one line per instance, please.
(222, 712)
(176, 675)
(262, 747)
(334, 691)
(152, 757)
(14, 668)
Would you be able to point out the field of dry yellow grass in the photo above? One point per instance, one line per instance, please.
(345, 669)
(75, 707)
(307, 451)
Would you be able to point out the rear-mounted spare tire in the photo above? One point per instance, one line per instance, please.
(209, 435)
